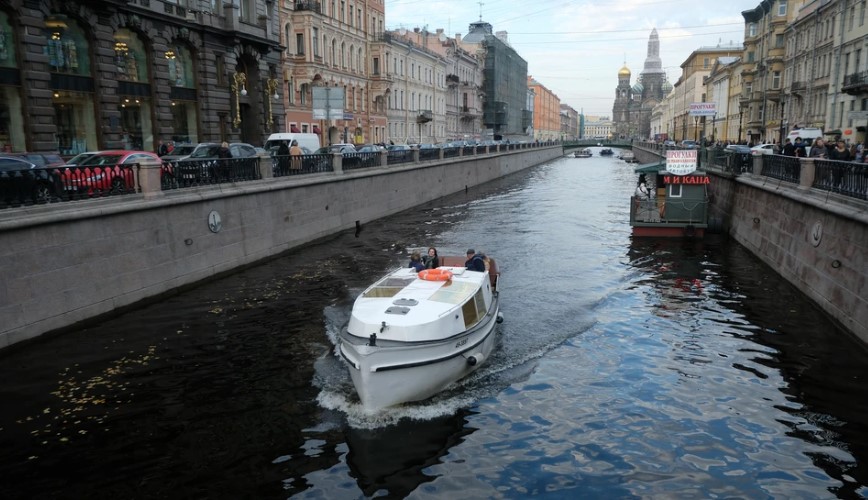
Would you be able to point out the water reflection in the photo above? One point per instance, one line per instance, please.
(394, 459)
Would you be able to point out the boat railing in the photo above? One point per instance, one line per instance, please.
(671, 211)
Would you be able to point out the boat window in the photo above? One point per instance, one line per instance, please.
(389, 287)
(480, 303)
(471, 317)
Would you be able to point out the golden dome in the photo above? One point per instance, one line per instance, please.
(624, 71)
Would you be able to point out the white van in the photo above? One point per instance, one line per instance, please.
(309, 142)
(808, 135)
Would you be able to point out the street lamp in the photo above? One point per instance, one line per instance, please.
(740, 111)
(781, 136)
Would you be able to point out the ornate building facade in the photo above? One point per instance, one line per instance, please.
(634, 104)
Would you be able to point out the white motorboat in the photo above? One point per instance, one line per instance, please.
(412, 335)
(583, 153)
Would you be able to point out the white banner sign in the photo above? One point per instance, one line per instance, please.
(681, 161)
(703, 109)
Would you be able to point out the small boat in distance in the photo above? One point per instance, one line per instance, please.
(628, 157)
(606, 152)
(411, 335)
(583, 153)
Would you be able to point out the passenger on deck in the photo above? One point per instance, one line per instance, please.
(431, 260)
(416, 261)
(474, 261)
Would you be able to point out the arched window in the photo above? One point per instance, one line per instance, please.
(343, 55)
(352, 51)
(130, 58)
(184, 104)
(68, 55)
(287, 39)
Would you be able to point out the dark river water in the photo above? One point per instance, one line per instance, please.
(624, 369)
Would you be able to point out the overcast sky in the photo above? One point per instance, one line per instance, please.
(575, 48)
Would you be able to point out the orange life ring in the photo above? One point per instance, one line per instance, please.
(435, 275)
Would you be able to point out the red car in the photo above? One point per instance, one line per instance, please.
(110, 172)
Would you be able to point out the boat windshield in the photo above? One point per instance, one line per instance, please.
(454, 292)
(389, 287)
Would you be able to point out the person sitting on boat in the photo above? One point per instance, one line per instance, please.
(642, 189)
(431, 260)
(474, 261)
(416, 261)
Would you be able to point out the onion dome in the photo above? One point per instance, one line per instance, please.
(666, 87)
(625, 71)
(638, 88)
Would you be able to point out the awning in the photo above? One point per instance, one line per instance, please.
(316, 130)
(294, 129)
(650, 168)
(837, 131)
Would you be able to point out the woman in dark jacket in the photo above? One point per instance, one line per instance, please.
(432, 261)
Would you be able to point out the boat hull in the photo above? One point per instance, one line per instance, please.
(391, 372)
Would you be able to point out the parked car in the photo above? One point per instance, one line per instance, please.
(669, 143)
(202, 164)
(763, 149)
(22, 181)
(182, 151)
(337, 148)
(38, 159)
(77, 159)
(738, 148)
(104, 172)
(688, 144)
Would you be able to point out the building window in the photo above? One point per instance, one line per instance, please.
(299, 44)
(776, 79)
(315, 41)
(750, 57)
(782, 7)
(779, 41)
(751, 29)
(862, 14)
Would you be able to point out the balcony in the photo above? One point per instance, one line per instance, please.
(798, 88)
(308, 5)
(424, 116)
(856, 83)
(452, 81)
(380, 76)
(468, 113)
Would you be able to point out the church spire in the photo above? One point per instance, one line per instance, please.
(653, 64)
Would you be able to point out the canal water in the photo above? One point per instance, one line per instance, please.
(624, 369)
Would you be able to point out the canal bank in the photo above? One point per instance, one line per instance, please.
(816, 240)
(68, 263)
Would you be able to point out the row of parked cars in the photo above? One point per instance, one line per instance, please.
(41, 178)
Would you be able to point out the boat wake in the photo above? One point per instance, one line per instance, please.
(512, 361)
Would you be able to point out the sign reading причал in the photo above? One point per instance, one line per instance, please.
(681, 162)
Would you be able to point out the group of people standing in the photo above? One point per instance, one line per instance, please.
(289, 156)
(475, 261)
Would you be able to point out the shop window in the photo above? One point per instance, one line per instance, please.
(11, 121)
(74, 118)
(130, 57)
(136, 132)
(184, 124)
(67, 47)
(7, 45)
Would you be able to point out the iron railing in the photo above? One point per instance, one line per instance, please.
(189, 173)
(399, 156)
(846, 178)
(306, 164)
(426, 154)
(784, 168)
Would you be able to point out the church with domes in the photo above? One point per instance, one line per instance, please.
(631, 114)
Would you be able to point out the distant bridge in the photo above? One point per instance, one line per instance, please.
(597, 142)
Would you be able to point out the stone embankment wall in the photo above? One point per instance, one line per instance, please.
(69, 262)
(816, 240)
